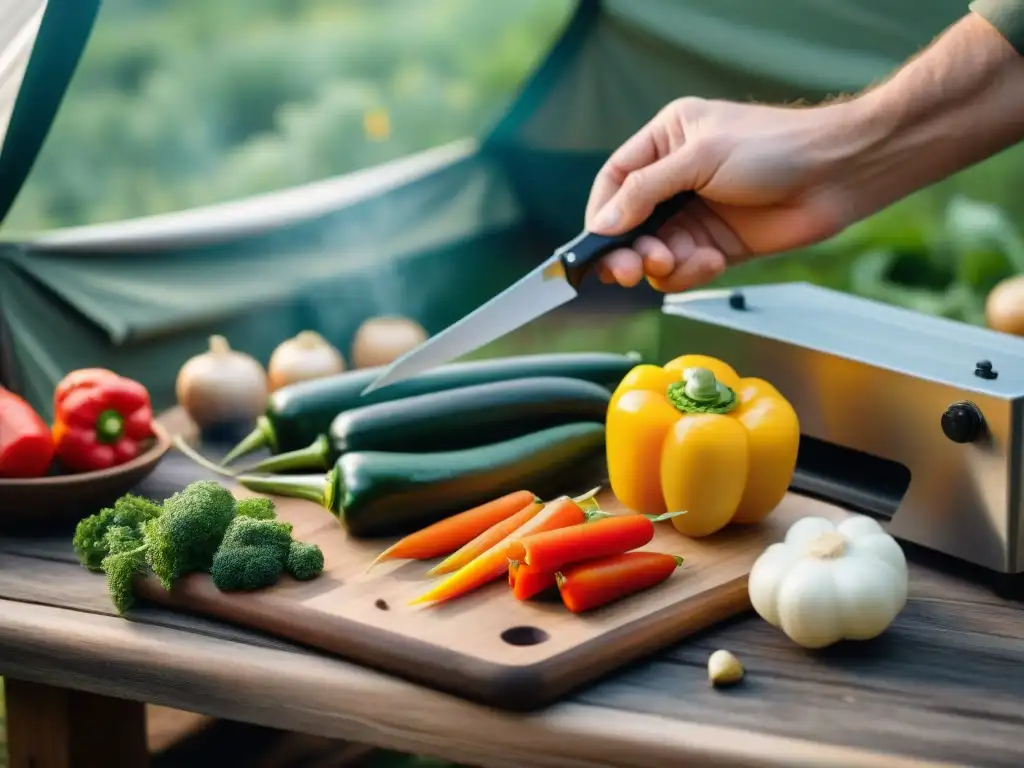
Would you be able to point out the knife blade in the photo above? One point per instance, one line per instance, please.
(554, 283)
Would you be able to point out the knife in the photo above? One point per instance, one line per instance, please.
(552, 284)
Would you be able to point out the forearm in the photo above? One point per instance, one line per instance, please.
(957, 103)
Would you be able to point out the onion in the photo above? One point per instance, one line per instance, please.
(307, 356)
(381, 340)
(1004, 309)
(222, 385)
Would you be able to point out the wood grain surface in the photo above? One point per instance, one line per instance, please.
(943, 686)
(488, 646)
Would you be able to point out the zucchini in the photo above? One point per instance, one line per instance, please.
(375, 493)
(451, 420)
(297, 414)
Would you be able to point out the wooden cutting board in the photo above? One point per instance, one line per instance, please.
(487, 646)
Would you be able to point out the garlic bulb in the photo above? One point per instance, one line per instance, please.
(381, 340)
(825, 583)
(306, 356)
(222, 385)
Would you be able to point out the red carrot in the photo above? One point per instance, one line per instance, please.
(446, 536)
(610, 535)
(530, 581)
(494, 562)
(593, 584)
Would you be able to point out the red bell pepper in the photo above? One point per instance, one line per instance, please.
(82, 378)
(26, 448)
(101, 420)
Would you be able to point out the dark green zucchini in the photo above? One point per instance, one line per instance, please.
(451, 420)
(392, 494)
(297, 414)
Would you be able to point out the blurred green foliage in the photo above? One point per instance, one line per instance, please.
(191, 102)
(188, 102)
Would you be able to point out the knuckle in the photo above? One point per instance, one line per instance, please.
(686, 107)
(634, 189)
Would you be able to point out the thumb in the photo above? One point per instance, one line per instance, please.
(643, 189)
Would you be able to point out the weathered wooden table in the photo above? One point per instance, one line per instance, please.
(945, 685)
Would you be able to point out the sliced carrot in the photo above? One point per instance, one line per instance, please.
(446, 536)
(592, 584)
(531, 581)
(513, 572)
(606, 535)
(487, 539)
(494, 562)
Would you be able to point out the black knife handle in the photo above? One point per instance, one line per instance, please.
(589, 247)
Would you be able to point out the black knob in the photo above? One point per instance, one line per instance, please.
(962, 422)
(983, 370)
(737, 300)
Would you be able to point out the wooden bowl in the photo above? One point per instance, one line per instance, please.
(65, 497)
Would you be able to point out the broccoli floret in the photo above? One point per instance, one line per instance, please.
(186, 536)
(305, 561)
(90, 540)
(252, 554)
(121, 568)
(259, 507)
(122, 538)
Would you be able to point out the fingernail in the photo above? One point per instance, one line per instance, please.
(607, 217)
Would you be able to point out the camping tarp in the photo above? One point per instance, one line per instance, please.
(433, 235)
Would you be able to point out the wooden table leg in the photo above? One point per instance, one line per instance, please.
(51, 727)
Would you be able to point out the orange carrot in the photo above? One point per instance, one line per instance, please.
(494, 562)
(487, 539)
(596, 583)
(513, 572)
(608, 535)
(502, 530)
(446, 536)
(531, 581)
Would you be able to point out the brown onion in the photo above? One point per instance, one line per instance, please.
(306, 356)
(381, 340)
(222, 385)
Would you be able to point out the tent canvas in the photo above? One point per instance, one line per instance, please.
(430, 236)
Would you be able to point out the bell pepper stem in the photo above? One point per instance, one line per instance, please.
(700, 391)
(262, 436)
(109, 426)
(315, 456)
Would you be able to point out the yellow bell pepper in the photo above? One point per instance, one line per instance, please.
(692, 435)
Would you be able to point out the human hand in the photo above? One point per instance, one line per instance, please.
(766, 178)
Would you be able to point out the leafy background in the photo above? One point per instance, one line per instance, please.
(179, 103)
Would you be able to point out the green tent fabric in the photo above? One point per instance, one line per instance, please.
(430, 236)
